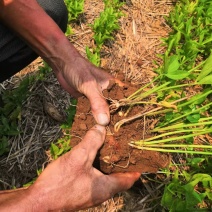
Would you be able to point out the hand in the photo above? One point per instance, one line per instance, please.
(71, 183)
(75, 74)
(79, 77)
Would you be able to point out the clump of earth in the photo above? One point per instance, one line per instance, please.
(116, 155)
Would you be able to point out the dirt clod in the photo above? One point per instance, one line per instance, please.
(116, 155)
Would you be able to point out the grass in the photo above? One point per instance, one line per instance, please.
(182, 116)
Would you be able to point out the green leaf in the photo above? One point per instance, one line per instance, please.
(54, 150)
(169, 116)
(193, 118)
(173, 64)
(167, 199)
(206, 70)
(209, 195)
(200, 98)
(177, 75)
(193, 198)
(206, 80)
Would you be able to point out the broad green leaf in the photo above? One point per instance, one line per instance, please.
(177, 75)
(195, 162)
(206, 80)
(209, 195)
(178, 205)
(193, 198)
(193, 118)
(169, 116)
(206, 70)
(173, 64)
(167, 199)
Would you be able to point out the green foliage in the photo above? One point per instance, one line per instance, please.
(61, 147)
(116, 4)
(190, 39)
(205, 76)
(171, 68)
(189, 42)
(75, 8)
(44, 70)
(63, 144)
(71, 111)
(185, 192)
(93, 57)
(10, 113)
(105, 25)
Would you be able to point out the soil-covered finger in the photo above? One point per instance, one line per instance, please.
(93, 140)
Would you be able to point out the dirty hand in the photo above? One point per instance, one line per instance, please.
(72, 183)
(78, 77)
(74, 72)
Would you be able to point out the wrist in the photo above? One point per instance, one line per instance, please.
(17, 200)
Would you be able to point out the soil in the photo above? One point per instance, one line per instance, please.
(116, 155)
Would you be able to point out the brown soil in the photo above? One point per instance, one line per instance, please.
(116, 155)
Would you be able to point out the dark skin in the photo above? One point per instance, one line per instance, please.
(71, 182)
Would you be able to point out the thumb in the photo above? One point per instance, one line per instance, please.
(122, 181)
(99, 105)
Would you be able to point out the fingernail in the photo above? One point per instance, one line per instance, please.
(102, 119)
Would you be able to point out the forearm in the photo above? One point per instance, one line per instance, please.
(33, 25)
(16, 200)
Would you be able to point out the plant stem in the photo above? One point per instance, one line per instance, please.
(142, 142)
(177, 86)
(186, 114)
(149, 92)
(140, 89)
(179, 145)
(181, 125)
(196, 67)
(171, 150)
(195, 99)
(172, 133)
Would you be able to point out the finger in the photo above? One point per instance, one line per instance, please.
(92, 141)
(98, 103)
(122, 181)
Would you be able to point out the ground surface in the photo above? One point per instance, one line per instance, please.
(132, 53)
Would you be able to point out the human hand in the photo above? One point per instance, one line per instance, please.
(79, 77)
(71, 182)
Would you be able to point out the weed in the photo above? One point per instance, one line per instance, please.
(187, 191)
(10, 114)
(105, 25)
(93, 57)
(75, 8)
(61, 147)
